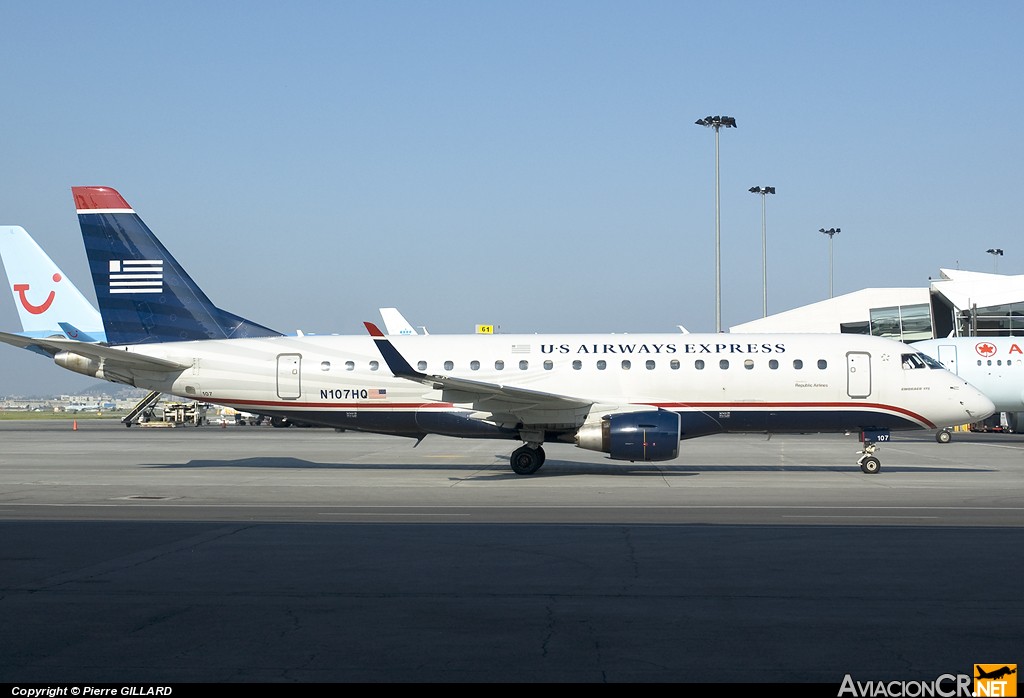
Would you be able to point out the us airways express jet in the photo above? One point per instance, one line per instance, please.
(634, 397)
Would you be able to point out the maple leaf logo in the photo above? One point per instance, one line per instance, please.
(985, 349)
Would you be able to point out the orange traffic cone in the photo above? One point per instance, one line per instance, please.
(74, 425)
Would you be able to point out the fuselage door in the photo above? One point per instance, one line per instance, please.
(947, 357)
(288, 376)
(858, 374)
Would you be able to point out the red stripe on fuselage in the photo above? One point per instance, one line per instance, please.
(701, 406)
(379, 404)
(846, 406)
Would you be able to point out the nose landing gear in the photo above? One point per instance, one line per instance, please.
(868, 462)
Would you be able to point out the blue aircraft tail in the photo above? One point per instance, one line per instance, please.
(144, 294)
(43, 294)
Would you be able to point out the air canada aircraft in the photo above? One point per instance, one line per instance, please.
(632, 396)
(48, 303)
(993, 365)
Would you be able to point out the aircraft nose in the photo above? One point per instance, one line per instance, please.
(977, 404)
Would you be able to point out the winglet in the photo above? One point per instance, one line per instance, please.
(395, 361)
(73, 332)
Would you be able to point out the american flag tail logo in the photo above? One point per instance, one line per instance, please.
(136, 276)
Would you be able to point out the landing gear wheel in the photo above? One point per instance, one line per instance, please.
(526, 460)
(870, 465)
(943, 436)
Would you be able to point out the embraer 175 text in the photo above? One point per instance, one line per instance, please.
(634, 397)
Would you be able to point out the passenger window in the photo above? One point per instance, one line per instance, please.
(374, 365)
(474, 365)
(548, 364)
(523, 365)
(748, 364)
(773, 364)
(650, 364)
(577, 365)
(798, 364)
(499, 365)
(601, 365)
(674, 364)
(822, 364)
(699, 364)
(325, 365)
(448, 365)
(421, 365)
(350, 365)
(723, 364)
(626, 364)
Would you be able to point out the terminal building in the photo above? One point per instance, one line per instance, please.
(957, 304)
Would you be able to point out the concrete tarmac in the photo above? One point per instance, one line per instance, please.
(251, 554)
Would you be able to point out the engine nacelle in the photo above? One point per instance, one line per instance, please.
(90, 367)
(77, 363)
(633, 436)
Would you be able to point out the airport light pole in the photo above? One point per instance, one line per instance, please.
(717, 123)
(764, 191)
(996, 253)
(831, 232)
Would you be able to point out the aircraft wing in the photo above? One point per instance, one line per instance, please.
(99, 352)
(493, 396)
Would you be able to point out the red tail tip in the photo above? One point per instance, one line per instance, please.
(373, 330)
(87, 198)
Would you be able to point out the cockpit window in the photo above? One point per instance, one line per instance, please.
(912, 361)
(931, 363)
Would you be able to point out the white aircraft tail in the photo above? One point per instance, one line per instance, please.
(395, 322)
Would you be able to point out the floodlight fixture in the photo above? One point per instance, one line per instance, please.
(763, 191)
(717, 123)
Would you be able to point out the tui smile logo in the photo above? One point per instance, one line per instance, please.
(32, 307)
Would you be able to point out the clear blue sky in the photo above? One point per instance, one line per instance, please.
(534, 165)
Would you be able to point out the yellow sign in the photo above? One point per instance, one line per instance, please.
(995, 680)
(485, 329)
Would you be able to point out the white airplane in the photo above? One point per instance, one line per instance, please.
(993, 365)
(634, 397)
(48, 303)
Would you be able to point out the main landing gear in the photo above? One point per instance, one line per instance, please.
(943, 436)
(527, 459)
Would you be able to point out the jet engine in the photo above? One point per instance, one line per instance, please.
(88, 366)
(634, 436)
(77, 363)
